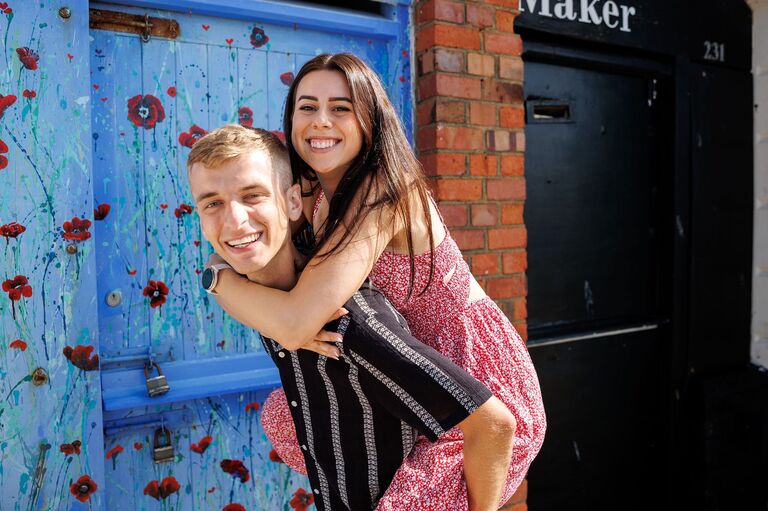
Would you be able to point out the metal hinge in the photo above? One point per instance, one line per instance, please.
(145, 26)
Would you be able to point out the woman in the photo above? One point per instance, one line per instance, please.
(343, 134)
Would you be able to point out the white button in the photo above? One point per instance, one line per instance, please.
(317, 492)
(304, 447)
(294, 404)
(281, 354)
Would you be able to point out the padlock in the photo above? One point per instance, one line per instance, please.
(162, 449)
(157, 385)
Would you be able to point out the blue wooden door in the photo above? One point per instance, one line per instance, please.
(150, 101)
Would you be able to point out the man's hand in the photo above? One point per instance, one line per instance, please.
(324, 342)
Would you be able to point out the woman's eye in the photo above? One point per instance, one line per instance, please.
(341, 109)
(306, 108)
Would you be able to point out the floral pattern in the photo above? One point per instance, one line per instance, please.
(18, 344)
(80, 357)
(156, 290)
(245, 116)
(188, 138)
(233, 507)
(162, 490)
(236, 469)
(145, 111)
(83, 488)
(17, 288)
(258, 37)
(11, 230)
(301, 500)
(71, 449)
(28, 58)
(5, 102)
(183, 209)
(3, 159)
(101, 211)
(201, 446)
(77, 229)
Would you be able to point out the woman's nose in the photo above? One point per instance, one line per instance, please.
(322, 119)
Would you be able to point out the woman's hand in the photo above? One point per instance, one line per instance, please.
(324, 342)
(214, 258)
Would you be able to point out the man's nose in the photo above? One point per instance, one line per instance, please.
(236, 214)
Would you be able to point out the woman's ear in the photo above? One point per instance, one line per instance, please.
(295, 204)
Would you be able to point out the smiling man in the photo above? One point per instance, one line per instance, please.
(356, 404)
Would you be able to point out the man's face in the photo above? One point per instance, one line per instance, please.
(243, 212)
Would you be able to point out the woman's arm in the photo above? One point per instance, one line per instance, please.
(323, 287)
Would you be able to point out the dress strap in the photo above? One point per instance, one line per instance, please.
(317, 205)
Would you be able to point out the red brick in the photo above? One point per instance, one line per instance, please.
(425, 113)
(449, 60)
(458, 137)
(520, 141)
(450, 111)
(512, 4)
(457, 189)
(507, 287)
(511, 117)
(426, 138)
(503, 92)
(479, 16)
(482, 165)
(427, 86)
(469, 239)
(510, 188)
(485, 264)
(514, 262)
(484, 215)
(458, 86)
(443, 164)
(515, 310)
(511, 68)
(512, 214)
(505, 21)
(483, 114)
(508, 44)
(522, 329)
(496, 140)
(447, 35)
(426, 62)
(479, 64)
(512, 165)
(444, 10)
(454, 215)
(511, 237)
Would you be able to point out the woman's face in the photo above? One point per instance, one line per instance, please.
(325, 130)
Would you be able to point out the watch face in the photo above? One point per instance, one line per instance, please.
(207, 278)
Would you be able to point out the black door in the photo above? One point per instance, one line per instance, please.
(599, 218)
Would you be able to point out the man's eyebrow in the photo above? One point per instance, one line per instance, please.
(208, 195)
(205, 196)
(313, 98)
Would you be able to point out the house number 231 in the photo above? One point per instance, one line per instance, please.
(714, 51)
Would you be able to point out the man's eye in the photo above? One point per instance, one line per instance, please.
(212, 204)
(253, 196)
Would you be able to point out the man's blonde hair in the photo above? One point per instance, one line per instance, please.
(233, 141)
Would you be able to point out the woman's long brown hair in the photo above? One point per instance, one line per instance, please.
(386, 157)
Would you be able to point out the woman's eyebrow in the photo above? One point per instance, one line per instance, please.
(313, 98)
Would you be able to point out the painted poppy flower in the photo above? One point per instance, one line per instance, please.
(70, 449)
(211, 489)
(279, 134)
(29, 94)
(80, 356)
(202, 445)
(28, 57)
(11, 230)
(165, 489)
(233, 507)
(245, 116)
(5, 102)
(5, 9)
(287, 78)
(18, 344)
(252, 406)
(258, 37)
(302, 500)
(188, 138)
(273, 456)
(184, 209)
(101, 211)
(145, 111)
(114, 451)
(156, 290)
(171, 91)
(17, 287)
(236, 469)
(77, 229)
(83, 488)
(137, 445)
(3, 159)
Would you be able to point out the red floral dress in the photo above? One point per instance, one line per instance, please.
(478, 337)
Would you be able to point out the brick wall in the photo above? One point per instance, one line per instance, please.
(469, 136)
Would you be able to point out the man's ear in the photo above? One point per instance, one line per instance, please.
(295, 204)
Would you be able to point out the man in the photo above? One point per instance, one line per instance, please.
(358, 403)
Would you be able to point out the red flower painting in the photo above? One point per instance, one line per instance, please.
(171, 91)
(5, 9)
(138, 445)
(156, 290)
(245, 116)
(5, 102)
(163, 490)
(183, 209)
(302, 500)
(233, 507)
(3, 159)
(287, 78)
(188, 138)
(17, 287)
(252, 406)
(101, 211)
(77, 229)
(29, 94)
(83, 488)
(11, 230)
(70, 449)
(202, 445)
(145, 111)
(114, 451)
(236, 469)
(258, 37)
(18, 344)
(28, 57)
(273, 456)
(80, 356)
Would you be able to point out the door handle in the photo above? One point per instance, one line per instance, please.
(597, 334)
